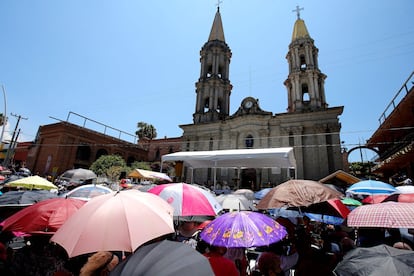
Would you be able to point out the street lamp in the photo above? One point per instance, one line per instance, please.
(4, 116)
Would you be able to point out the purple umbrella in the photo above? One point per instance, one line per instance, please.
(243, 229)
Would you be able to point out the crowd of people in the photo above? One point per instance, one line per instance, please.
(310, 248)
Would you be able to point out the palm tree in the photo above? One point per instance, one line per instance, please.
(145, 130)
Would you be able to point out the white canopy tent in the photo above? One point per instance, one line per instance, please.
(235, 158)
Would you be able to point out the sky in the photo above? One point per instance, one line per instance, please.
(125, 61)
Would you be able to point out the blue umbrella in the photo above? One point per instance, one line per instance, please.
(260, 194)
(369, 187)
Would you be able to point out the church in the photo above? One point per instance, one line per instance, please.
(309, 125)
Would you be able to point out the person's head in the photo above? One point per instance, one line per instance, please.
(269, 264)
(188, 228)
(100, 263)
(218, 249)
(347, 244)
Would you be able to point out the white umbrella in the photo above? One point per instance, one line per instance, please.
(406, 189)
(234, 202)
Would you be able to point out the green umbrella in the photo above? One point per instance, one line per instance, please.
(351, 201)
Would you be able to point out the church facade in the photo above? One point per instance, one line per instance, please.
(309, 125)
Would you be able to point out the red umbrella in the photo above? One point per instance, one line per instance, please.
(44, 217)
(332, 207)
(409, 198)
(374, 199)
(383, 215)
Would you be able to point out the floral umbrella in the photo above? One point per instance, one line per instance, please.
(243, 229)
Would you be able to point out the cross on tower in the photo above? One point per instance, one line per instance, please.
(297, 10)
(218, 4)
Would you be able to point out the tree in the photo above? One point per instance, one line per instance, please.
(141, 165)
(2, 119)
(146, 131)
(109, 165)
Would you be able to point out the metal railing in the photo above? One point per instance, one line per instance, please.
(397, 98)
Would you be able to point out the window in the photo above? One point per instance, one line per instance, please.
(305, 93)
(249, 141)
(206, 104)
(209, 71)
(302, 62)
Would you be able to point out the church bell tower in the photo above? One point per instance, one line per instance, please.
(213, 88)
(305, 82)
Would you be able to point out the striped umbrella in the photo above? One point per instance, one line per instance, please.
(187, 199)
(385, 215)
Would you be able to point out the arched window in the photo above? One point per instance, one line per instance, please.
(302, 62)
(249, 141)
(83, 153)
(219, 105)
(157, 154)
(100, 152)
(209, 71)
(305, 93)
(206, 104)
(220, 72)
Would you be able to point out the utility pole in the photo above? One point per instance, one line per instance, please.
(10, 150)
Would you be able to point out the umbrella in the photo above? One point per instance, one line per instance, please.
(165, 258)
(19, 198)
(32, 182)
(384, 215)
(260, 194)
(400, 198)
(188, 200)
(374, 198)
(368, 187)
(78, 175)
(44, 217)
(145, 174)
(406, 189)
(296, 193)
(87, 191)
(381, 260)
(235, 202)
(332, 207)
(118, 221)
(243, 229)
(351, 202)
(246, 192)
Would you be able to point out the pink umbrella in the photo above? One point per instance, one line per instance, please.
(44, 217)
(118, 221)
(385, 215)
(188, 200)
